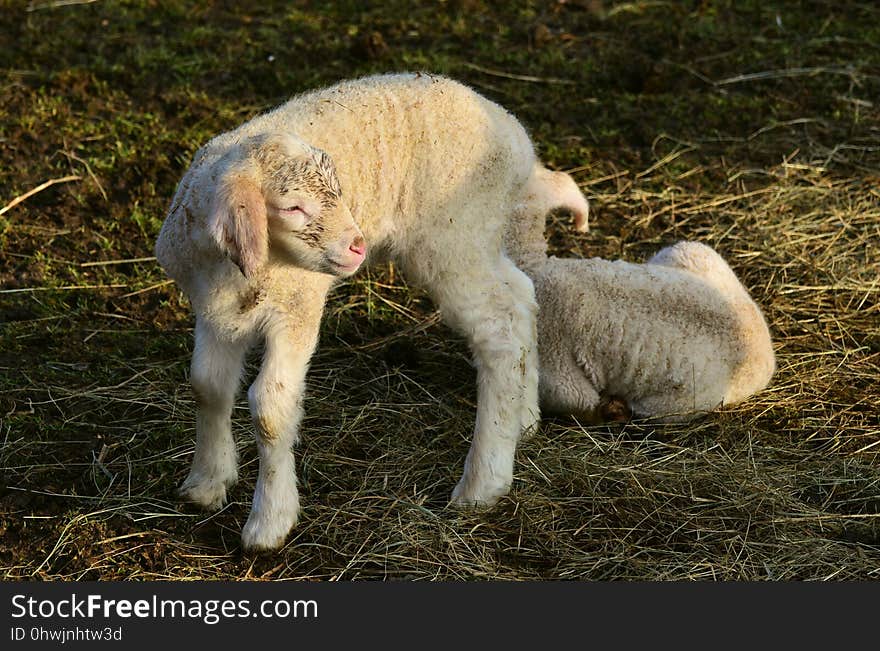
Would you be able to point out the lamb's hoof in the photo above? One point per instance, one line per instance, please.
(206, 492)
(265, 533)
(467, 496)
(615, 410)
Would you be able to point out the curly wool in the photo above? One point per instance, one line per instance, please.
(674, 337)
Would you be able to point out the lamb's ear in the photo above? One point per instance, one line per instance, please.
(238, 220)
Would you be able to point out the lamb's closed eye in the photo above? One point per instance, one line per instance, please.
(294, 217)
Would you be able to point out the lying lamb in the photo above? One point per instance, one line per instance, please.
(272, 214)
(670, 338)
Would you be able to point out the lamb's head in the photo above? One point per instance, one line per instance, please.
(276, 196)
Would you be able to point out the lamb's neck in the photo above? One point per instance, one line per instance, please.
(525, 243)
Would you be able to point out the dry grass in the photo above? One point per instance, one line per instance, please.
(97, 419)
(785, 486)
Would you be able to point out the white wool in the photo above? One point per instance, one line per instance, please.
(673, 337)
(430, 173)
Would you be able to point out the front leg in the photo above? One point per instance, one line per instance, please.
(215, 375)
(276, 399)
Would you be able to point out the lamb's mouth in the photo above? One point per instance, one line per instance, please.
(341, 268)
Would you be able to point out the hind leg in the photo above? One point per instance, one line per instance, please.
(568, 387)
(215, 375)
(492, 303)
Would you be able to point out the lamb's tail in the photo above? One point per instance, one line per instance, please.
(548, 191)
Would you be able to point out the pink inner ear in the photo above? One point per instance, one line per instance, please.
(239, 223)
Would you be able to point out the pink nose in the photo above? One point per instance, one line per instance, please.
(358, 247)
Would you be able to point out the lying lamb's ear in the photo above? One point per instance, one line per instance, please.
(238, 220)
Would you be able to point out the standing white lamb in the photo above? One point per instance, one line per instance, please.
(671, 338)
(271, 214)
